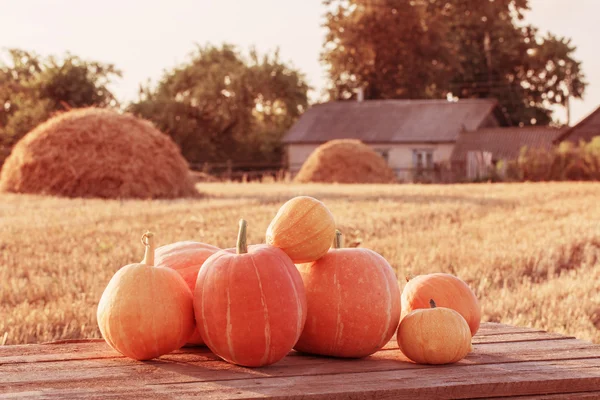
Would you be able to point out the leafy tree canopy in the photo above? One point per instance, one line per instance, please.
(221, 105)
(399, 49)
(33, 87)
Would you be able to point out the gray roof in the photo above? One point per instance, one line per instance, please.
(392, 121)
(505, 143)
(585, 130)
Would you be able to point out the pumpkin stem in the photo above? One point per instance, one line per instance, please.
(242, 245)
(148, 241)
(338, 241)
(432, 303)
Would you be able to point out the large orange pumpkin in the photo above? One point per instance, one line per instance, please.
(250, 303)
(437, 335)
(146, 311)
(304, 228)
(186, 258)
(448, 291)
(353, 303)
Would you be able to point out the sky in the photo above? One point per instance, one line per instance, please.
(143, 39)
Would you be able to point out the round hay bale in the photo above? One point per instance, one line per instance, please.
(93, 152)
(345, 161)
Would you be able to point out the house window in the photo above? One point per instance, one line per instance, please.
(422, 159)
(385, 153)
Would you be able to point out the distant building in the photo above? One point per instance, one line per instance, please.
(412, 135)
(476, 151)
(586, 130)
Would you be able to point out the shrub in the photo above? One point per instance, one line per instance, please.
(566, 162)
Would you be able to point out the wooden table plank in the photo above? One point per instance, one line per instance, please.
(506, 361)
(578, 395)
(442, 382)
(492, 328)
(205, 366)
(96, 348)
(502, 338)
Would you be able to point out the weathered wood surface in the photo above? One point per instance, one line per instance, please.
(506, 362)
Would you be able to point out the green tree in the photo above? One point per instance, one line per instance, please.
(485, 51)
(33, 87)
(221, 105)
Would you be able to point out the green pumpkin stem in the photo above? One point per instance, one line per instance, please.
(242, 245)
(338, 241)
(432, 303)
(148, 241)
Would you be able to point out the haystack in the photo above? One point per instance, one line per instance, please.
(97, 153)
(345, 161)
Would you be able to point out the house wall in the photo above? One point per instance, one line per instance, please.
(297, 154)
(399, 156)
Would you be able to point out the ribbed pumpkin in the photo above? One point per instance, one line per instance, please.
(146, 311)
(250, 303)
(448, 291)
(186, 258)
(304, 228)
(437, 335)
(353, 303)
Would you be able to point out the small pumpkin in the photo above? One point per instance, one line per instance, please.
(448, 290)
(186, 258)
(250, 303)
(146, 311)
(303, 228)
(353, 303)
(437, 335)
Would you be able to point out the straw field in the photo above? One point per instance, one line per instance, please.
(530, 251)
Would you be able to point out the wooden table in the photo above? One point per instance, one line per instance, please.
(507, 361)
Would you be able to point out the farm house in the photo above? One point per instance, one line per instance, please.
(585, 130)
(476, 152)
(412, 135)
(415, 137)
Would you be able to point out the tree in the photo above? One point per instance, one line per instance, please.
(487, 52)
(387, 47)
(502, 58)
(32, 88)
(221, 105)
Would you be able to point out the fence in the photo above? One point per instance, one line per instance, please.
(249, 171)
(230, 171)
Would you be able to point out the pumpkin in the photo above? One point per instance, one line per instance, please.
(353, 303)
(186, 258)
(146, 311)
(250, 303)
(448, 290)
(304, 228)
(437, 335)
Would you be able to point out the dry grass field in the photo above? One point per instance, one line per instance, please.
(530, 251)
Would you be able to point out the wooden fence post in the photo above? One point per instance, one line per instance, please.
(229, 169)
